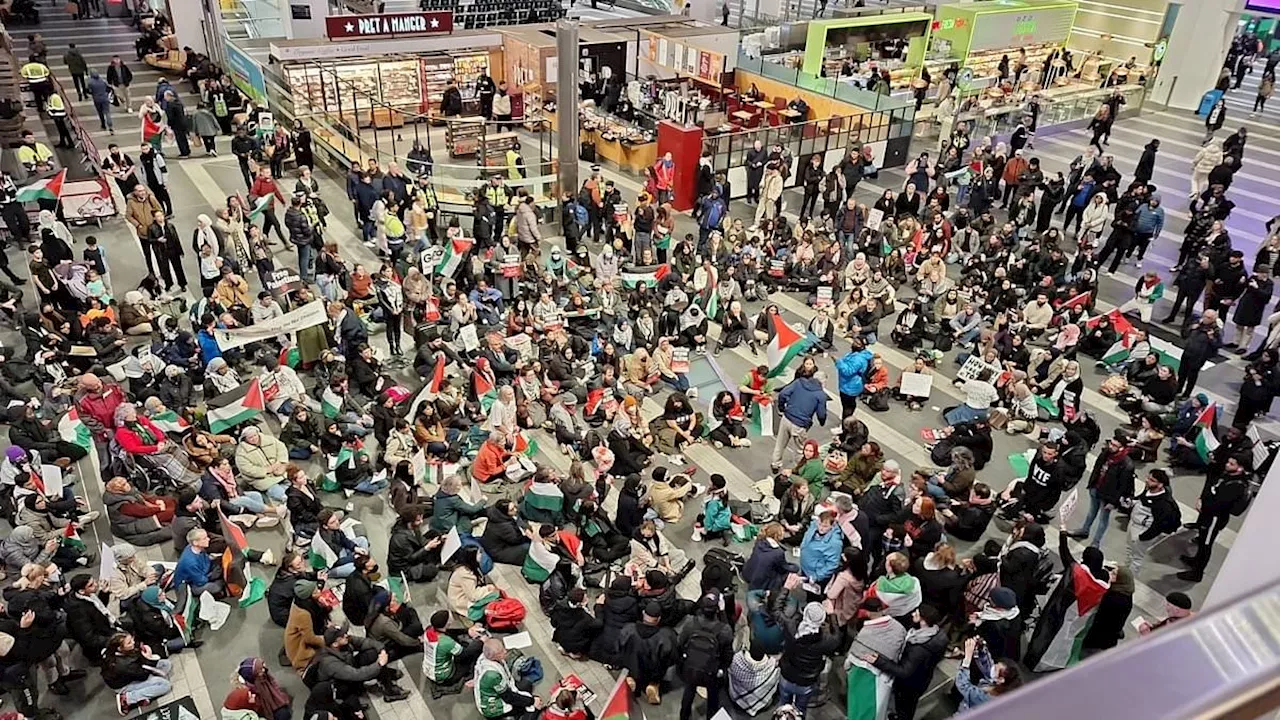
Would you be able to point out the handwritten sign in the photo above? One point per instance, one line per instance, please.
(917, 385)
(875, 219)
(823, 298)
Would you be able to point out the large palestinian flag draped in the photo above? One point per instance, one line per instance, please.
(170, 422)
(486, 392)
(539, 563)
(543, 499)
(240, 405)
(1119, 352)
(785, 346)
(437, 375)
(330, 403)
(454, 253)
(1065, 620)
(1206, 440)
(869, 691)
(46, 189)
(152, 130)
(73, 430)
(649, 275)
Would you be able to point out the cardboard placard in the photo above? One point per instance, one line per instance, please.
(1069, 504)
(824, 297)
(680, 360)
(452, 544)
(875, 219)
(918, 385)
(973, 367)
(522, 344)
(470, 338)
(510, 266)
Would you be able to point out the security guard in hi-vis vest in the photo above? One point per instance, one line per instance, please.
(57, 109)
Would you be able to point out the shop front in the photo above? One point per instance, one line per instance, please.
(993, 40)
(850, 47)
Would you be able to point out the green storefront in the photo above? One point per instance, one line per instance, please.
(857, 37)
(979, 35)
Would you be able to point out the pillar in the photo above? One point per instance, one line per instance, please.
(567, 136)
(1250, 564)
(188, 18)
(1197, 48)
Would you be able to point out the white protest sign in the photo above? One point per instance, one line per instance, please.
(875, 218)
(918, 385)
(470, 339)
(1069, 504)
(452, 544)
(51, 477)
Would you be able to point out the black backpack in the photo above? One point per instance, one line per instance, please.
(727, 560)
(1242, 503)
(702, 649)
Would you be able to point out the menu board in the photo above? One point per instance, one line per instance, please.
(685, 59)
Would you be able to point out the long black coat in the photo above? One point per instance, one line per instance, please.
(1251, 308)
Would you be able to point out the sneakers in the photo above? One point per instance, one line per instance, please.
(675, 459)
(267, 521)
(244, 520)
(268, 557)
(651, 694)
(122, 705)
(394, 693)
(744, 442)
(86, 518)
(697, 534)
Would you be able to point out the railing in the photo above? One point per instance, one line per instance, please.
(830, 87)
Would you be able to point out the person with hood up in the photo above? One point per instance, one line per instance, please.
(1113, 613)
(618, 609)
(851, 369)
(800, 403)
(648, 650)
(1207, 158)
(804, 654)
(269, 700)
(506, 537)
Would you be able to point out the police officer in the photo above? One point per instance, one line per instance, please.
(37, 76)
(35, 156)
(58, 111)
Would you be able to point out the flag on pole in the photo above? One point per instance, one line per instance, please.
(170, 422)
(190, 616)
(785, 346)
(235, 567)
(237, 406)
(437, 376)
(539, 563)
(1206, 440)
(451, 258)
(649, 275)
(73, 430)
(46, 189)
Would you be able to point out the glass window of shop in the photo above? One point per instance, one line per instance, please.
(250, 19)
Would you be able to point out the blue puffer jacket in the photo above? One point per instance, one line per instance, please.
(803, 399)
(852, 370)
(820, 554)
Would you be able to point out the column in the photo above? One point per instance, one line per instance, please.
(567, 136)
(1197, 49)
(188, 23)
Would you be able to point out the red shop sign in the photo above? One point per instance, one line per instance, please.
(383, 25)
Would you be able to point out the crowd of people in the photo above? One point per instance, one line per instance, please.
(859, 575)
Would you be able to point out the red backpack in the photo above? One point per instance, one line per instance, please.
(504, 614)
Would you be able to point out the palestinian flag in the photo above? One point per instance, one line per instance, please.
(594, 399)
(322, 556)
(1167, 358)
(453, 255)
(539, 563)
(761, 417)
(524, 446)
(485, 391)
(170, 422)
(1081, 300)
(189, 617)
(71, 537)
(235, 567)
(712, 306)
(437, 376)
(785, 346)
(1065, 620)
(290, 357)
(1119, 352)
(73, 430)
(619, 705)
(46, 189)
(240, 405)
(900, 594)
(1206, 440)
(1119, 323)
(649, 275)
(663, 241)
(398, 586)
(330, 402)
(869, 691)
(542, 500)
(475, 613)
(152, 130)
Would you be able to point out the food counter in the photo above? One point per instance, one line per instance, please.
(412, 84)
(627, 145)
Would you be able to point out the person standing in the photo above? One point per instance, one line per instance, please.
(167, 246)
(1190, 281)
(485, 90)
(1153, 514)
(812, 182)
(15, 217)
(913, 672)
(756, 158)
(705, 646)
(176, 115)
(57, 109)
(77, 66)
(804, 655)
(770, 194)
(1221, 498)
(120, 77)
(205, 124)
(156, 173)
(1266, 86)
(1110, 487)
(800, 403)
(724, 13)
(1214, 119)
(302, 235)
(264, 186)
(100, 93)
(1201, 344)
(1147, 162)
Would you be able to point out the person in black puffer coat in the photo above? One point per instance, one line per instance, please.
(358, 593)
(293, 567)
(1020, 562)
(805, 652)
(504, 535)
(620, 608)
(630, 512)
(575, 628)
(411, 553)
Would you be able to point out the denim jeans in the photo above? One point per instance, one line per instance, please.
(681, 383)
(1097, 510)
(249, 501)
(299, 453)
(791, 693)
(345, 565)
(370, 487)
(151, 688)
(306, 262)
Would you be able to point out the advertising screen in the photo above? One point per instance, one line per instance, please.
(1263, 5)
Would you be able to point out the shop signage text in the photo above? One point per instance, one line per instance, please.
(949, 24)
(389, 24)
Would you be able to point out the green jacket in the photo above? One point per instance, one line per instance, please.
(452, 511)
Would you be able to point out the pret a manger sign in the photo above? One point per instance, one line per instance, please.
(385, 25)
